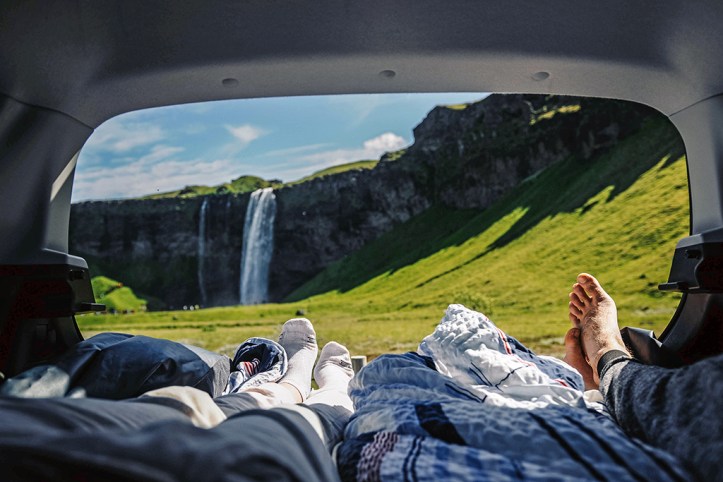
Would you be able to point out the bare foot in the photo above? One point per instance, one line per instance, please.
(576, 359)
(594, 312)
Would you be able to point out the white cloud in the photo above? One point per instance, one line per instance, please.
(386, 142)
(160, 170)
(142, 177)
(158, 153)
(120, 136)
(301, 166)
(245, 133)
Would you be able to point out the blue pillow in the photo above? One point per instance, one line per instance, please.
(117, 366)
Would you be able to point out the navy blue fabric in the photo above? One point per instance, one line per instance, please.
(117, 366)
(87, 439)
(433, 419)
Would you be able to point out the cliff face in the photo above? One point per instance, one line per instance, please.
(323, 220)
(153, 246)
(462, 157)
(476, 154)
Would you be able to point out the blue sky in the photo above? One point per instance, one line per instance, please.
(167, 148)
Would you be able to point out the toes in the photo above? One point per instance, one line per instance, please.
(572, 341)
(574, 310)
(297, 330)
(575, 357)
(592, 286)
(587, 279)
(298, 325)
(575, 320)
(581, 294)
(333, 348)
(576, 302)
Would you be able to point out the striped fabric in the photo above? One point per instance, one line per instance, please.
(477, 405)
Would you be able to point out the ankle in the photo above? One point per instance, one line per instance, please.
(613, 345)
(295, 392)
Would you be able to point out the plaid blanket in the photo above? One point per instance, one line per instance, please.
(475, 404)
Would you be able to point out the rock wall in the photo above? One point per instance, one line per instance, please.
(323, 220)
(462, 157)
(152, 246)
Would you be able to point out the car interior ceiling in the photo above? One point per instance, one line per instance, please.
(71, 65)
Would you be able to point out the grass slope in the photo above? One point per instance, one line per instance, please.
(115, 296)
(617, 215)
(240, 185)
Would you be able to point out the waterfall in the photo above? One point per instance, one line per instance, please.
(258, 245)
(202, 250)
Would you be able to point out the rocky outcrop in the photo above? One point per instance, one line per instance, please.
(476, 154)
(463, 156)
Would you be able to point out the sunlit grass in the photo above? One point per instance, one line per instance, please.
(457, 106)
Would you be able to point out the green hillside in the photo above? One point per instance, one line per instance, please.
(617, 215)
(239, 185)
(115, 296)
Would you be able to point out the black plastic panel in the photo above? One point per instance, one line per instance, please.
(36, 312)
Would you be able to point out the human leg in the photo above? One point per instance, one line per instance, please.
(678, 410)
(673, 409)
(593, 311)
(21, 417)
(327, 409)
(332, 374)
(575, 358)
(257, 445)
(299, 340)
(331, 403)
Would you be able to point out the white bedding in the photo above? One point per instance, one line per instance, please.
(475, 404)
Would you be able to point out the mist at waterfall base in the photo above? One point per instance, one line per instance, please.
(256, 250)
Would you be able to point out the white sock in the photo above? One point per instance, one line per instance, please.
(334, 368)
(299, 340)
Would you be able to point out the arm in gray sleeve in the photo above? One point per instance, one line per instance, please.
(679, 410)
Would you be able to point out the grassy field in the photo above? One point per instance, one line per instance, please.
(115, 296)
(617, 216)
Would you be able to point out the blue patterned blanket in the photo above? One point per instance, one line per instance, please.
(475, 404)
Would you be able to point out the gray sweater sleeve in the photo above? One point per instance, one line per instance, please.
(679, 410)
